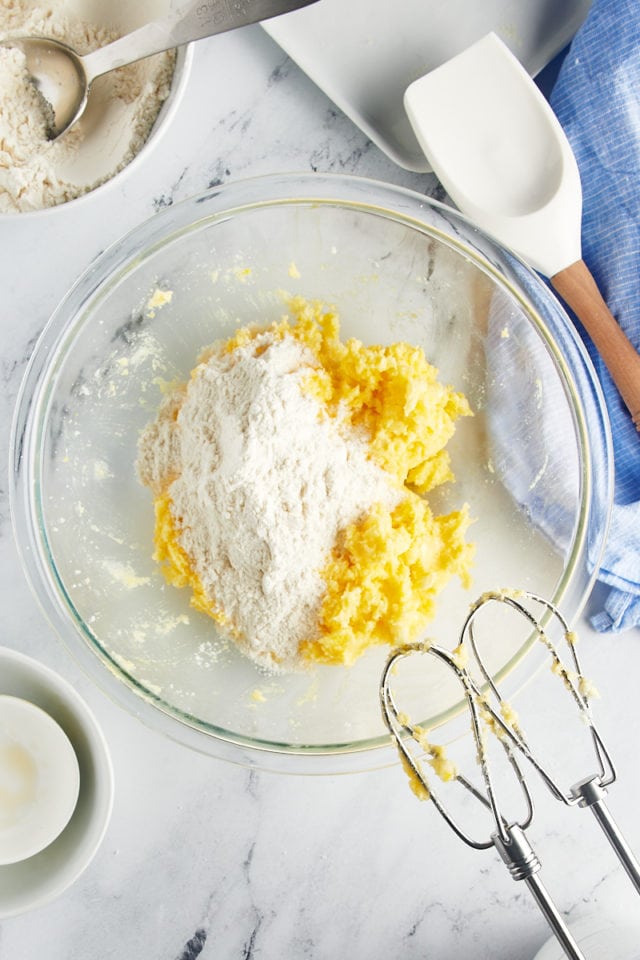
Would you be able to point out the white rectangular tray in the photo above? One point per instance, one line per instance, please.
(365, 53)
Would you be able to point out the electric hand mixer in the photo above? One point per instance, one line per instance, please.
(493, 717)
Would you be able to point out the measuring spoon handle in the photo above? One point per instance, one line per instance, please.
(189, 21)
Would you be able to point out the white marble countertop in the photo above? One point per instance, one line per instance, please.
(207, 859)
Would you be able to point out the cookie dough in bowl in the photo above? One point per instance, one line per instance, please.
(126, 110)
(417, 290)
(291, 477)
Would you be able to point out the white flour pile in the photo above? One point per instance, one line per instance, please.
(263, 483)
(123, 105)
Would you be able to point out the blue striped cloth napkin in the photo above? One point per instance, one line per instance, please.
(596, 97)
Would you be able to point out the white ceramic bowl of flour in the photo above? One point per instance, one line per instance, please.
(127, 112)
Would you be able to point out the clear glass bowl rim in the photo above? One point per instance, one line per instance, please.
(360, 193)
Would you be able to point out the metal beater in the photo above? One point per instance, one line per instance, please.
(492, 716)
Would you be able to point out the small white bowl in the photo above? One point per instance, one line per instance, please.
(32, 882)
(39, 779)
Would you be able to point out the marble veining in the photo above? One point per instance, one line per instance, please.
(195, 945)
(208, 860)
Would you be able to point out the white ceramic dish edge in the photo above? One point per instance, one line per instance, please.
(34, 882)
(365, 56)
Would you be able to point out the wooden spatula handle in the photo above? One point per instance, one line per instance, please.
(578, 289)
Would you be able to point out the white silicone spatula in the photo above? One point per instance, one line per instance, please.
(501, 154)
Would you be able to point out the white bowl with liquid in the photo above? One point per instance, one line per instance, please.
(39, 779)
(71, 838)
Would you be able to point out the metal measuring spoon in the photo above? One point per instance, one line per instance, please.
(63, 77)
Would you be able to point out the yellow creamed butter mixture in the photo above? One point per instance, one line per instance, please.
(385, 571)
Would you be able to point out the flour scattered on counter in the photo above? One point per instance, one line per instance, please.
(37, 173)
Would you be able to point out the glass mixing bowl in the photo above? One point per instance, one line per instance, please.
(533, 463)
